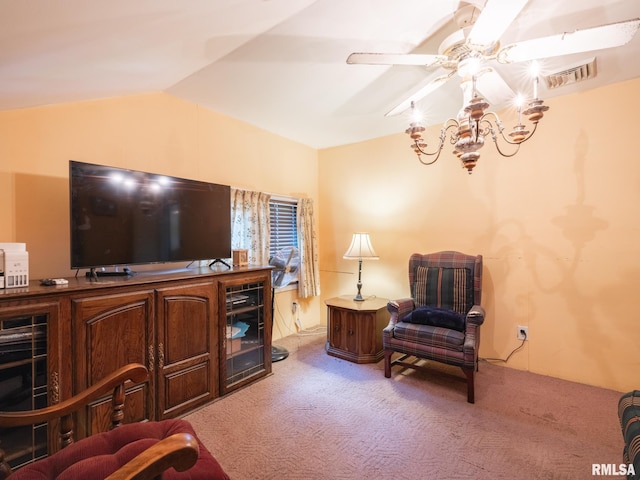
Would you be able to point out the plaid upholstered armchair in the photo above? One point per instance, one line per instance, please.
(441, 321)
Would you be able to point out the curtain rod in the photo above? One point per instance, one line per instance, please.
(277, 196)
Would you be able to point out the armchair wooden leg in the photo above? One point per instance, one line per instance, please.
(387, 363)
(470, 387)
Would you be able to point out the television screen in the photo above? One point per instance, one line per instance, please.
(127, 217)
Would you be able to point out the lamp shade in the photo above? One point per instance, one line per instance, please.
(361, 248)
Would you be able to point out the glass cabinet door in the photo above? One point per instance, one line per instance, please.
(244, 334)
(23, 383)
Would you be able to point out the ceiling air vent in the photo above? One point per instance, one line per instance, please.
(574, 74)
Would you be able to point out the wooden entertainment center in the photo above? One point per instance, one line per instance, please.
(179, 324)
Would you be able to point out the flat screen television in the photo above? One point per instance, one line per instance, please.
(128, 217)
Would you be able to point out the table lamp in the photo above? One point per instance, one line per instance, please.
(360, 249)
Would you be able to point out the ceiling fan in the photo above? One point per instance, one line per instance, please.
(469, 50)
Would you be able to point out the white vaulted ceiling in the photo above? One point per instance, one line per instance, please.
(277, 64)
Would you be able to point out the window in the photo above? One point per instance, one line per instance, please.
(284, 230)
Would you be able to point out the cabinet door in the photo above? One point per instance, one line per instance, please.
(368, 331)
(245, 322)
(343, 333)
(29, 376)
(335, 329)
(108, 332)
(187, 340)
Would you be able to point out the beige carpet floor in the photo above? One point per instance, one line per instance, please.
(320, 417)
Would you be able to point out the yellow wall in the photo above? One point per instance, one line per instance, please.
(557, 225)
(154, 132)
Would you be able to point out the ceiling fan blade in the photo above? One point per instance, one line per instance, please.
(494, 19)
(493, 87)
(395, 59)
(596, 38)
(420, 93)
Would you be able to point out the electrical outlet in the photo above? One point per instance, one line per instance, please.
(523, 332)
(294, 306)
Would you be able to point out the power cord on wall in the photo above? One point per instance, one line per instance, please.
(505, 360)
(300, 331)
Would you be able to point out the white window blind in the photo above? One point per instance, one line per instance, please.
(284, 230)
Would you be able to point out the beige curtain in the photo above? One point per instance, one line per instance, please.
(250, 224)
(309, 278)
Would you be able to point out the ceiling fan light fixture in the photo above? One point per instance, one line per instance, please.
(469, 160)
(536, 110)
(534, 69)
(469, 66)
(519, 133)
(476, 107)
(473, 124)
(418, 145)
(415, 132)
(468, 51)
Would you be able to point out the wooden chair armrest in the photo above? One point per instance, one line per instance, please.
(179, 451)
(134, 372)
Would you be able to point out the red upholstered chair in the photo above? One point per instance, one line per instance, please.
(441, 321)
(168, 449)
